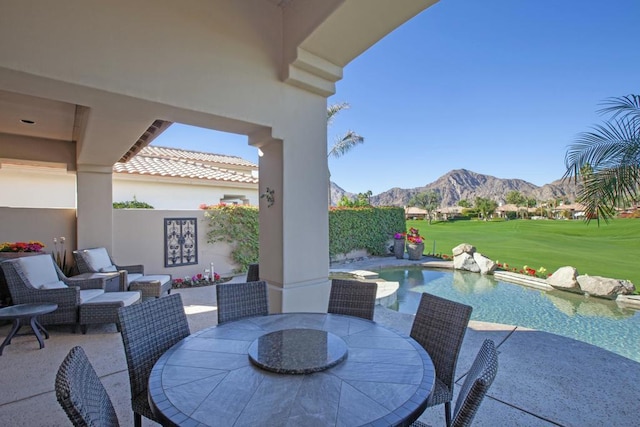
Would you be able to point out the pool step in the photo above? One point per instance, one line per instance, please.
(521, 279)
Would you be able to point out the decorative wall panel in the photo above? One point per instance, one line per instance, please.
(180, 242)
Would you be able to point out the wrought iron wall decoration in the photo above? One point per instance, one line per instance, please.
(180, 242)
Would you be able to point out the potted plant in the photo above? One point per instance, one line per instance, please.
(415, 244)
(398, 245)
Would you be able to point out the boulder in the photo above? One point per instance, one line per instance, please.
(485, 265)
(463, 248)
(464, 261)
(565, 279)
(604, 287)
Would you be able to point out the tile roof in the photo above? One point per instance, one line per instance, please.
(172, 162)
(175, 153)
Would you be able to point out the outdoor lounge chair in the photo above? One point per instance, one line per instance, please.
(439, 327)
(37, 279)
(238, 300)
(148, 330)
(475, 386)
(81, 393)
(132, 277)
(353, 298)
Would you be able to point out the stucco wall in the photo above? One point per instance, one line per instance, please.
(23, 224)
(138, 236)
(186, 194)
(37, 187)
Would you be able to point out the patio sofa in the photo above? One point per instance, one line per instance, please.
(132, 277)
(37, 279)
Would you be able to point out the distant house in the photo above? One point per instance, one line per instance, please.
(569, 211)
(166, 178)
(170, 178)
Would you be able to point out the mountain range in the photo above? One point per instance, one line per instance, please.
(461, 184)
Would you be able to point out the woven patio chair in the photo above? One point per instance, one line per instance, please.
(81, 394)
(38, 279)
(253, 274)
(475, 386)
(353, 298)
(439, 327)
(148, 330)
(239, 300)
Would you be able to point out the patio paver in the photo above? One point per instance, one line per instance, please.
(543, 379)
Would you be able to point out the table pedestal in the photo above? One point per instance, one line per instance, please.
(26, 314)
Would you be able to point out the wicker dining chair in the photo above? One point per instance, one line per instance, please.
(475, 386)
(81, 394)
(148, 330)
(253, 274)
(353, 298)
(239, 300)
(439, 326)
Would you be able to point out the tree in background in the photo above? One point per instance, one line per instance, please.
(464, 203)
(516, 198)
(486, 207)
(342, 144)
(361, 200)
(611, 153)
(428, 200)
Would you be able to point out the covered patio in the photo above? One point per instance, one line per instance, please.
(83, 86)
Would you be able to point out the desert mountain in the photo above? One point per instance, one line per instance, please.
(462, 184)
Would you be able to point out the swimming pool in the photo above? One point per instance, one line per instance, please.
(592, 320)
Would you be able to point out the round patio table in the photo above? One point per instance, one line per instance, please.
(309, 369)
(23, 314)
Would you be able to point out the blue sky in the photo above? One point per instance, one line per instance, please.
(498, 87)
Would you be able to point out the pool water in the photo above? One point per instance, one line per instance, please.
(593, 320)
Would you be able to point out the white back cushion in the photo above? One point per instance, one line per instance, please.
(97, 258)
(39, 269)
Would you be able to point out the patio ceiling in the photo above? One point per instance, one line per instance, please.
(103, 127)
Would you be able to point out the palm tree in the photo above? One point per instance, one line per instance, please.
(607, 159)
(343, 144)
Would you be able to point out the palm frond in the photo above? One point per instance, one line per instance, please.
(334, 109)
(607, 159)
(623, 106)
(344, 144)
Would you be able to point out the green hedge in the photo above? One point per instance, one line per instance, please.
(364, 228)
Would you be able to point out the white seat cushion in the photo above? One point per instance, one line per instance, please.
(89, 294)
(132, 277)
(127, 298)
(97, 259)
(54, 285)
(109, 269)
(39, 269)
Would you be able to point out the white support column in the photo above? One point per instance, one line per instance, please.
(294, 230)
(95, 206)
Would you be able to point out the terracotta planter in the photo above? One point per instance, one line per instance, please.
(415, 251)
(398, 248)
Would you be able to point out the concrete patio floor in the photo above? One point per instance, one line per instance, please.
(543, 379)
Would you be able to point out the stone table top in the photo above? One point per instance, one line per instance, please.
(207, 379)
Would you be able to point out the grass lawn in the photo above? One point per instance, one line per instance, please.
(611, 250)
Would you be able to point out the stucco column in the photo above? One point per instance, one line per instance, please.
(294, 230)
(95, 206)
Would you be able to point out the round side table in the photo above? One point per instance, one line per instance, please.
(23, 314)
